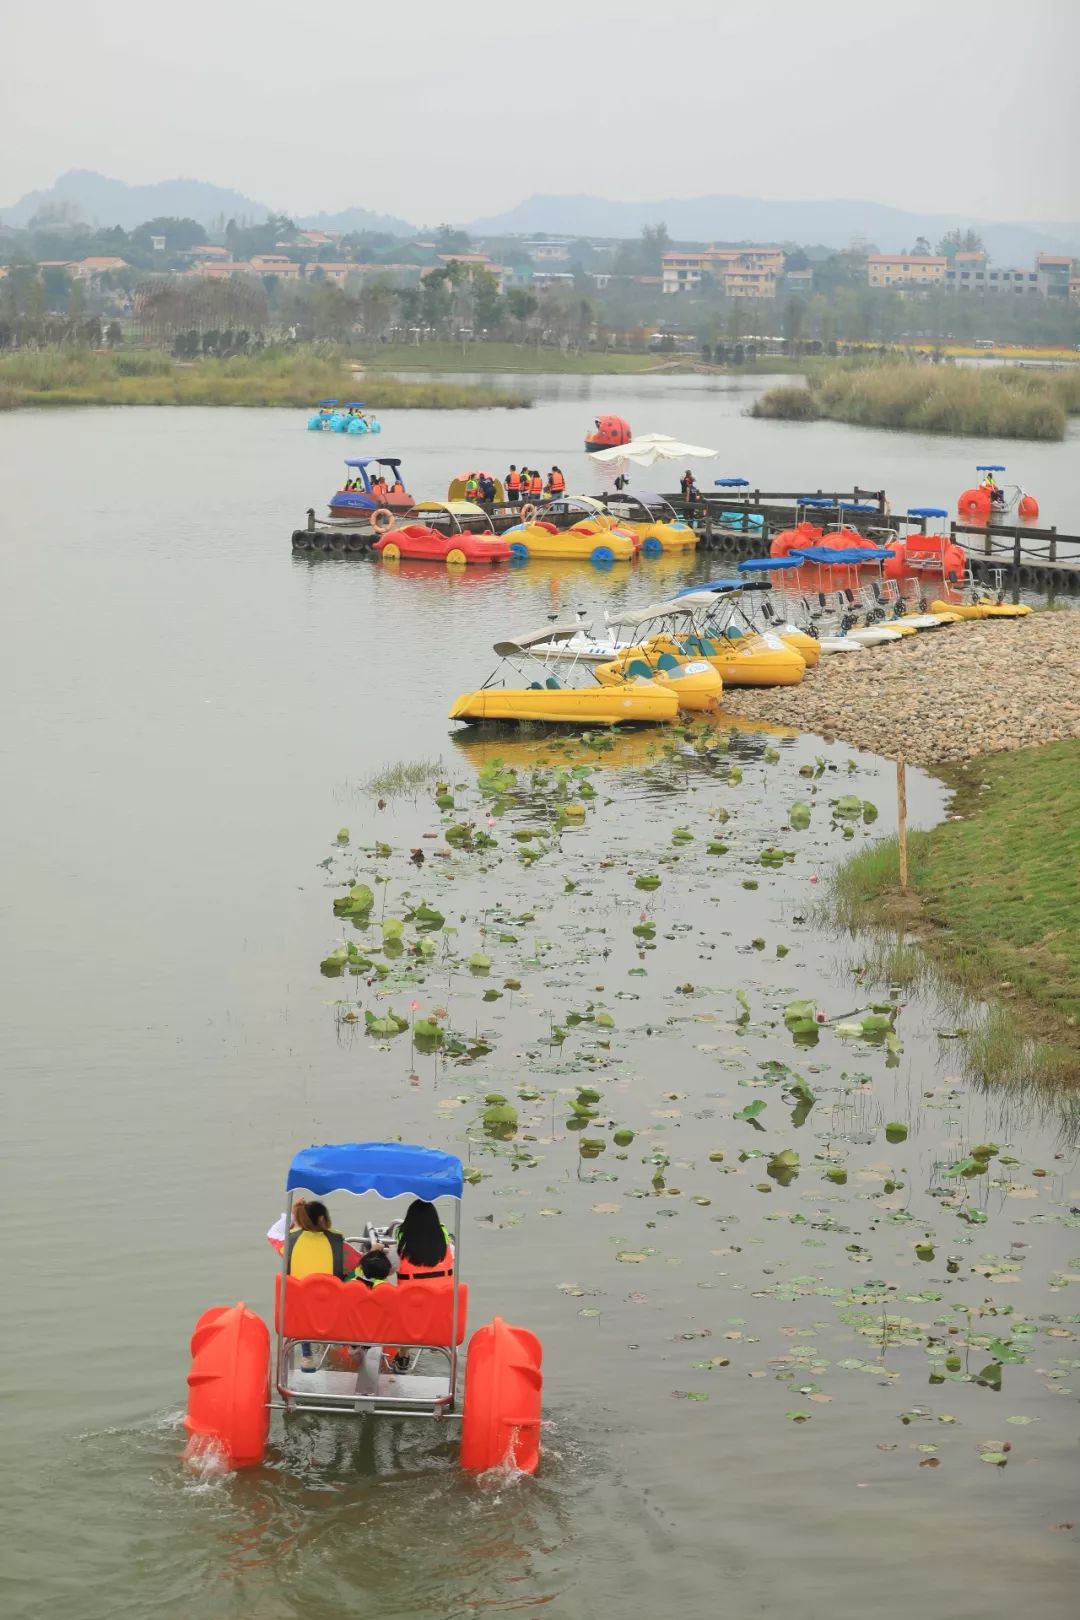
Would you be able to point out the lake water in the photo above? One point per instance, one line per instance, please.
(192, 714)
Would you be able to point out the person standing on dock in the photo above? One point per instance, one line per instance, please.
(688, 487)
(536, 486)
(513, 485)
(556, 482)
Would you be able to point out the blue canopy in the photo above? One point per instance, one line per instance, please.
(732, 483)
(857, 506)
(366, 461)
(814, 500)
(355, 405)
(326, 402)
(391, 1169)
(713, 585)
(989, 466)
(842, 554)
(765, 565)
(927, 511)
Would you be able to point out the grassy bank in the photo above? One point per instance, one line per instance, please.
(288, 376)
(995, 894)
(502, 357)
(1005, 402)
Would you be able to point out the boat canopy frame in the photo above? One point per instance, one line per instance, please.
(389, 1170)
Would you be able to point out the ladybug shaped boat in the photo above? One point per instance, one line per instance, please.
(608, 432)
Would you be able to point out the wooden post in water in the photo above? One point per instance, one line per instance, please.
(901, 819)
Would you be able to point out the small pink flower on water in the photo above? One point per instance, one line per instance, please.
(414, 1005)
(642, 916)
(813, 877)
(820, 1016)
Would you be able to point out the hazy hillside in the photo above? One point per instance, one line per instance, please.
(834, 223)
(98, 200)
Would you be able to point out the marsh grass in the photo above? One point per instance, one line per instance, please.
(276, 376)
(501, 357)
(404, 778)
(1008, 402)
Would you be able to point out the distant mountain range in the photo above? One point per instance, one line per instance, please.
(830, 223)
(94, 199)
(97, 200)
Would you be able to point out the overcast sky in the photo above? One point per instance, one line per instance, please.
(435, 110)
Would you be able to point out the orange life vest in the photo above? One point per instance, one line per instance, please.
(558, 483)
(408, 1272)
(536, 485)
(513, 480)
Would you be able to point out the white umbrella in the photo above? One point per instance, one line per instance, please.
(650, 448)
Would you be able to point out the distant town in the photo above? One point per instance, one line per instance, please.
(176, 282)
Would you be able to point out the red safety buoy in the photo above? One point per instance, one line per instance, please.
(500, 1424)
(1028, 507)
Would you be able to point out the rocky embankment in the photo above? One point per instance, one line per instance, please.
(981, 687)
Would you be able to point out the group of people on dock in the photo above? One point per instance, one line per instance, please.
(528, 484)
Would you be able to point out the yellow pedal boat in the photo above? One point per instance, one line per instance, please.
(696, 684)
(635, 702)
(750, 661)
(656, 526)
(585, 542)
(983, 610)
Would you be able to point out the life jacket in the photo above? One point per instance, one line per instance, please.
(536, 485)
(398, 488)
(558, 483)
(315, 1252)
(408, 1272)
(513, 480)
(371, 1282)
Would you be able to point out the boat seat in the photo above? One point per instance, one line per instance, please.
(534, 686)
(666, 661)
(325, 1310)
(552, 684)
(708, 648)
(638, 667)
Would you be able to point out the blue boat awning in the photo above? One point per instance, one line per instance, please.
(731, 483)
(715, 585)
(766, 565)
(391, 1169)
(927, 511)
(850, 555)
(814, 500)
(857, 506)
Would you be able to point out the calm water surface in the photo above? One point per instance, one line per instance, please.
(192, 714)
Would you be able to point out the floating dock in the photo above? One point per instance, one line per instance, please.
(1031, 558)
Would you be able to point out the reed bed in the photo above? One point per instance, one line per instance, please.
(1005, 402)
(276, 376)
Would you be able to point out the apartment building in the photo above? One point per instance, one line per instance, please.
(751, 272)
(906, 269)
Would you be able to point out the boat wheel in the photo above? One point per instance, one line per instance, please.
(455, 556)
(651, 547)
(602, 554)
(390, 552)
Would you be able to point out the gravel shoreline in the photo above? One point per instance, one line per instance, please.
(981, 687)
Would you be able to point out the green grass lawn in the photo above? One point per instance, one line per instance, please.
(999, 888)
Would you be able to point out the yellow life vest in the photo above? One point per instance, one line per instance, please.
(311, 1253)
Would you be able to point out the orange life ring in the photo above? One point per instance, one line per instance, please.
(381, 519)
(528, 512)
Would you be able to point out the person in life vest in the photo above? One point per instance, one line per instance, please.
(472, 487)
(378, 487)
(423, 1244)
(513, 485)
(487, 489)
(536, 485)
(397, 487)
(312, 1246)
(556, 482)
(688, 487)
